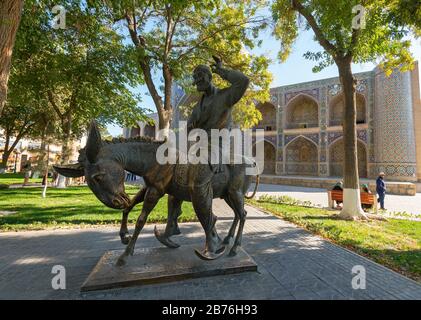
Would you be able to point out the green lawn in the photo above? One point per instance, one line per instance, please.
(15, 178)
(73, 206)
(393, 243)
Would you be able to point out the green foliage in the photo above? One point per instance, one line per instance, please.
(406, 13)
(22, 117)
(387, 23)
(172, 37)
(284, 200)
(285, 28)
(27, 113)
(19, 120)
(78, 73)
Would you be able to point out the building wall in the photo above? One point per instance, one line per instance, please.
(390, 107)
(415, 89)
(320, 130)
(394, 132)
(388, 126)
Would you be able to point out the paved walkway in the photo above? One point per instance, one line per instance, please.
(293, 264)
(394, 203)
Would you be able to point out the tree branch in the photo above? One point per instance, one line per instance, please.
(354, 40)
(144, 62)
(329, 47)
(20, 135)
(132, 30)
(53, 104)
(213, 34)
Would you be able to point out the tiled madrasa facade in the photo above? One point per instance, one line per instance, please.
(303, 131)
(306, 138)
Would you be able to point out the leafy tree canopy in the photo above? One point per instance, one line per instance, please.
(383, 37)
(172, 37)
(81, 72)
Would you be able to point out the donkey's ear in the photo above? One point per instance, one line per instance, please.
(93, 144)
(70, 170)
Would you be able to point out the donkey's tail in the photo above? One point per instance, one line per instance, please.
(255, 188)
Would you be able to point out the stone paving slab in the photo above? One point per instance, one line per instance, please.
(292, 264)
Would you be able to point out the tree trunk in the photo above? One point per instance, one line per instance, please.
(65, 149)
(352, 201)
(10, 13)
(163, 108)
(9, 149)
(5, 156)
(42, 154)
(164, 124)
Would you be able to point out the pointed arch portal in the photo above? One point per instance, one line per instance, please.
(301, 157)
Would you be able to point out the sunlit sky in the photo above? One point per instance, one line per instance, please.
(295, 70)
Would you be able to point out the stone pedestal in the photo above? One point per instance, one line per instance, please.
(159, 265)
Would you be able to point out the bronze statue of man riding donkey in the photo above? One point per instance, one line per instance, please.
(104, 163)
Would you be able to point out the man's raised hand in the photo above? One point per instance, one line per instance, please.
(217, 66)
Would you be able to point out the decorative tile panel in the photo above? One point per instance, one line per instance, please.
(312, 92)
(312, 136)
(334, 89)
(332, 136)
(394, 137)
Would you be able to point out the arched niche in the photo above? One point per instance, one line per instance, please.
(269, 158)
(336, 109)
(302, 112)
(301, 157)
(150, 130)
(135, 131)
(268, 111)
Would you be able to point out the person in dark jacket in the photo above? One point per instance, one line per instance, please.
(338, 186)
(381, 189)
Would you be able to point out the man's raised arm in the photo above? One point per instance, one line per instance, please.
(239, 82)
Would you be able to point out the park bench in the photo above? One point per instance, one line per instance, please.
(337, 195)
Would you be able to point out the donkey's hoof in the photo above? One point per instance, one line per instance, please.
(121, 261)
(166, 241)
(177, 231)
(207, 255)
(227, 240)
(132, 251)
(126, 239)
(233, 252)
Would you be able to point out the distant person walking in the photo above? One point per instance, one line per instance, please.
(381, 189)
(27, 172)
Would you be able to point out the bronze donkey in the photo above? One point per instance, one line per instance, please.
(103, 163)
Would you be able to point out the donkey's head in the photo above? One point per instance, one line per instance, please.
(104, 175)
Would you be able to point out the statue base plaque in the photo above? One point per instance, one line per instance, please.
(160, 265)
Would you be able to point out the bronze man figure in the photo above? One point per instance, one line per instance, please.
(212, 112)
